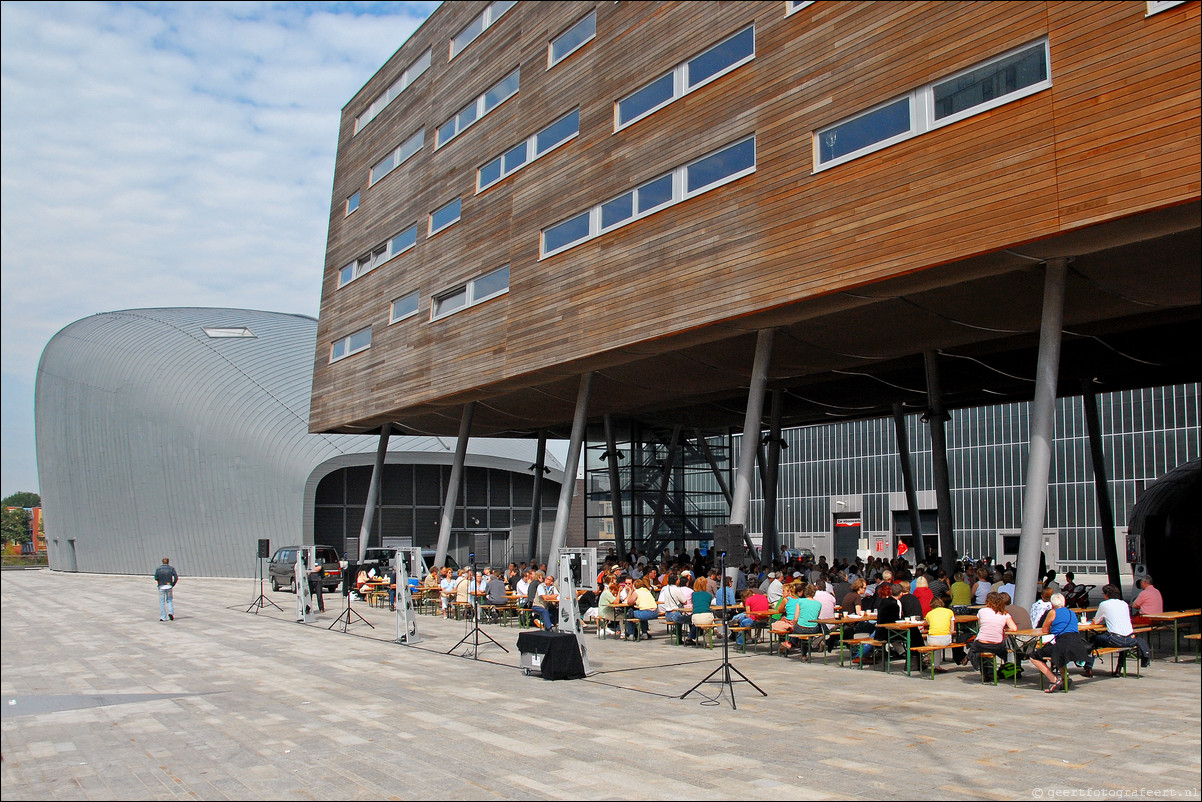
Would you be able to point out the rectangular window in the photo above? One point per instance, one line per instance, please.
(403, 307)
(447, 215)
(398, 157)
(351, 344)
(378, 256)
(504, 89)
(400, 85)
(352, 203)
(1000, 80)
(1156, 6)
(572, 39)
(700, 175)
(546, 140)
(991, 84)
(491, 13)
(729, 54)
(476, 291)
(796, 5)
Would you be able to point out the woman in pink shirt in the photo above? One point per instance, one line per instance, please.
(993, 622)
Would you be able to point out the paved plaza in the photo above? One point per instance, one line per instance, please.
(102, 701)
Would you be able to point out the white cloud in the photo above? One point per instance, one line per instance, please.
(168, 155)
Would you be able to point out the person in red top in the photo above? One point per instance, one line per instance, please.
(1149, 601)
(754, 601)
(922, 592)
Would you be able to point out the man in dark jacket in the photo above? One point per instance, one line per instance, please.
(166, 577)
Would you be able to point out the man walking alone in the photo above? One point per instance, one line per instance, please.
(166, 577)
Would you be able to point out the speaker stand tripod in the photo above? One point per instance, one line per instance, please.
(475, 631)
(262, 601)
(347, 616)
(726, 682)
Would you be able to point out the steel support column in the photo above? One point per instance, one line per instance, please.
(903, 452)
(936, 415)
(1101, 484)
(373, 490)
(771, 540)
(740, 505)
(713, 463)
(560, 534)
(536, 503)
(1043, 419)
(452, 498)
(615, 488)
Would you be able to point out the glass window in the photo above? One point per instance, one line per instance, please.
(515, 158)
(446, 131)
(654, 193)
(490, 173)
(346, 275)
(403, 241)
(466, 117)
(398, 157)
(645, 100)
(559, 131)
(796, 5)
(566, 233)
(617, 210)
(403, 307)
(721, 57)
(572, 39)
(441, 218)
(506, 88)
(490, 285)
(352, 203)
(718, 166)
(359, 341)
(400, 85)
(991, 82)
(858, 133)
(450, 302)
(467, 35)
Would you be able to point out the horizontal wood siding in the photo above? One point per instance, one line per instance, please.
(1117, 134)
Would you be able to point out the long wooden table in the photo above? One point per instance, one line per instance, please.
(1176, 618)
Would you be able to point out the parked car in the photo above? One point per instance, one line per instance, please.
(281, 568)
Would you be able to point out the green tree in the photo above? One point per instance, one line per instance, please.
(22, 499)
(14, 525)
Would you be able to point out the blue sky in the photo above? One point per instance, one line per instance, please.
(167, 154)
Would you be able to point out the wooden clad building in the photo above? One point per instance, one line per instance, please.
(526, 192)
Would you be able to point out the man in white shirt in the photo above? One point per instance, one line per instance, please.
(676, 601)
(775, 589)
(522, 589)
(1007, 585)
(1113, 612)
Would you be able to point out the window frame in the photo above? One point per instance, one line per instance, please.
(348, 209)
(1157, 6)
(793, 6)
(404, 81)
(379, 254)
(487, 18)
(396, 157)
(922, 107)
(551, 60)
(392, 315)
(680, 194)
(479, 108)
(431, 230)
(680, 79)
(532, 152)
(468, 288)
(346, 342)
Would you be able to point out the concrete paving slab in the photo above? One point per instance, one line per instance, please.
(103, 701)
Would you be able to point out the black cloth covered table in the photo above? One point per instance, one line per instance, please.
(559, 651)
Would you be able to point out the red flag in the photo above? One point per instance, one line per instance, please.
(902, 548)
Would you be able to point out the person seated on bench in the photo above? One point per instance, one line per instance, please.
(545, 603)
(1022, 619)
(1041, 607)
(644, 609)
(941, 621)
(495, 594)
(888, 611)
(754, 601)
(993, 622)
(1068, 647)
(675, 600)
(1148, 601)
(1119, 633)
(700, 603)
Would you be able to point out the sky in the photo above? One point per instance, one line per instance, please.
(166, 154)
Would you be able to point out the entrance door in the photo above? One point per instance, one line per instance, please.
(847, 536)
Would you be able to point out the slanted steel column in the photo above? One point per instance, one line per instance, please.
(615, 487)
(536, 503)
(936, 415)
(661, 500)
(448, 506)
(903, 452)
(1043, 419)
(373, 490)
(771, 541)
(1097, 457)
(709, 457)
(740, 505)
(560, 534)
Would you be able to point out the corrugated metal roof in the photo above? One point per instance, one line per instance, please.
(155, 439)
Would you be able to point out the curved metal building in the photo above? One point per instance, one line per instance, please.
(183, 432)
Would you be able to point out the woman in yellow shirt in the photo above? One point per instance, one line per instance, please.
(941, 623)
(644, 608)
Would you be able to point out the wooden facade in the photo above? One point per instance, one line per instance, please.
(1114, 138)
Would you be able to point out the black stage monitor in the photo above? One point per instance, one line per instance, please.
(729, 538)
(264, 548)
(348, 578)
(481, 542)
